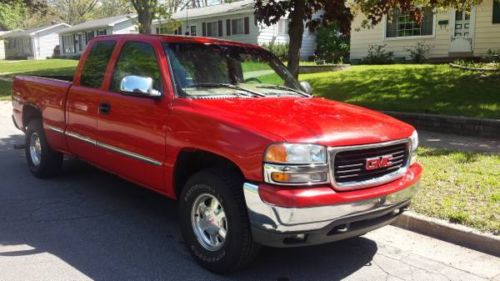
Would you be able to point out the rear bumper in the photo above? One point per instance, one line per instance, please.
(279, 226)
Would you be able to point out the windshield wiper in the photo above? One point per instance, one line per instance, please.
(229, 86)
(278, 87)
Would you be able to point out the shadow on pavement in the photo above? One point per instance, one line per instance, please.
(107, 228)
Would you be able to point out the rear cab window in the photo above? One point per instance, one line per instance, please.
(95, 65)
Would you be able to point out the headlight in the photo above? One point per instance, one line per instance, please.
(287, 153)
(296, 164)
(414, 146)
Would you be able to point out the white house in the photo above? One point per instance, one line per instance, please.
(74, 40)
(234, 21)
(449, 33)
(2, 46)
(36, 43)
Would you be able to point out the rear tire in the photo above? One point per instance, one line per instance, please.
(43, 161)
(220, 191)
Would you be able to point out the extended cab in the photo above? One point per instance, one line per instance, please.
(223, 127)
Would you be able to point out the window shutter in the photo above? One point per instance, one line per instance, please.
(247, 25)
(221, 32)
(496, 11)
(204, 29)
(228, 27)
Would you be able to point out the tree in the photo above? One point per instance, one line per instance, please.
(110, 8)
(299, 11)
(73, 11)
(339, 12)
(11, 15)
(146, 10)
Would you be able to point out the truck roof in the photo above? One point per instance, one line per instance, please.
(181, 39)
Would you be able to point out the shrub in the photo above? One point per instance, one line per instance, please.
(331, 45)
(418, 54)
(493, 55)
(278, 49)
(378, 55)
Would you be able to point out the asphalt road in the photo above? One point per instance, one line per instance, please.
(87, 224)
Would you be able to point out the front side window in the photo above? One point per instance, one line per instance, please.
(138, 59)
(205, 70)
(403, 25)
(96, 63)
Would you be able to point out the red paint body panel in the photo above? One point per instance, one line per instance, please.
(238, 129)
(48, 96)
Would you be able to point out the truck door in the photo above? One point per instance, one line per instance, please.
(131, 126)
(83, 100)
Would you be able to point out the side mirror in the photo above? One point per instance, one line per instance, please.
(306, 87)
(139, 86)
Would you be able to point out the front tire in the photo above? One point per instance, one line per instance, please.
(43, 161)
(214, 221)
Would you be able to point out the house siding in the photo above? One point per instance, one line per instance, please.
(259, 34)
(124, 27)
(487, 34)
(45, 42)
(18, 48)
(363, 38)
(2, 50)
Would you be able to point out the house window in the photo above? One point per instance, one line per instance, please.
(101, 32)
(89, 35)
(193, 30)
(237, 26)
(496, 11)
(68, 44)
(212, 29)
(403, 25)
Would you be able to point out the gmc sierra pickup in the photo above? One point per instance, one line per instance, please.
(252, 157)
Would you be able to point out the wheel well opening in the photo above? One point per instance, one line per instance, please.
(190, 162)
(30, 113)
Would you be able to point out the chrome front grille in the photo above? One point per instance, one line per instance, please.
(368, 165)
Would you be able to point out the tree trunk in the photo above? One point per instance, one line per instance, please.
(145, 21)
(295, 32)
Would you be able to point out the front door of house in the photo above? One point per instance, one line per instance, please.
(461, 31)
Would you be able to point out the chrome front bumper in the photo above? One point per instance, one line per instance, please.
(272, 220)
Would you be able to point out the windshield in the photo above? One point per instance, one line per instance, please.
(207, 69)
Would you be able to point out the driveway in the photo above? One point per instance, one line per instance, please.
(87, 224)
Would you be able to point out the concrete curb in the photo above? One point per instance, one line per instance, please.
(489, 128)
(453, 233)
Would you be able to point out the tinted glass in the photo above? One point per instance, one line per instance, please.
(96, 63)
(136, 58)
(196, 66)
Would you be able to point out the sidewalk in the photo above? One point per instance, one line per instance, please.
(457, 142)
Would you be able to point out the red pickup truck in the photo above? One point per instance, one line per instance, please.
(223, 127)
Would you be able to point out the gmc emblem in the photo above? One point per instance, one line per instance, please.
(378, 162)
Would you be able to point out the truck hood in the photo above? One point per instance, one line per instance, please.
(307, 120)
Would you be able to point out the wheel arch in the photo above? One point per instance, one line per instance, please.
(30, 112)
(190, 161)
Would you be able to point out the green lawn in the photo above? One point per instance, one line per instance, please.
(38, 67)
(460, 187)
(412, 88)
(32, 67)
(5, 88)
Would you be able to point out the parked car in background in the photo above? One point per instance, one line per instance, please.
(225, 129)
